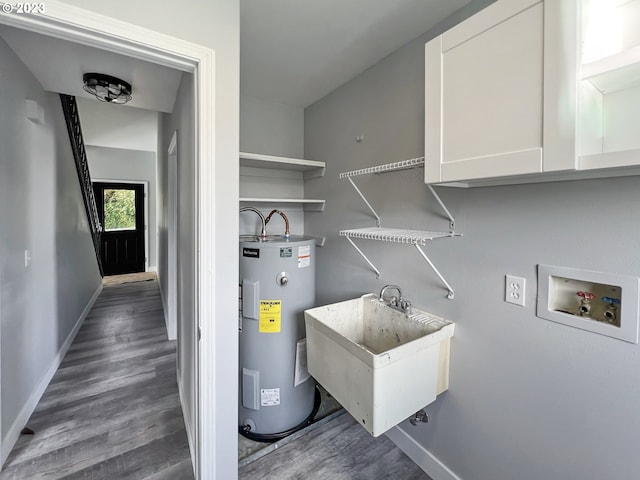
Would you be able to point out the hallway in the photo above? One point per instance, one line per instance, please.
(112, 409)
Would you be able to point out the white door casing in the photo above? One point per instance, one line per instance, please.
(172, 248)
(82, 26)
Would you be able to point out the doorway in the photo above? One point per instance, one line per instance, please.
(213, 416)
(121, 212)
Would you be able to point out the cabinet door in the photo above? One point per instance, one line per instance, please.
(610, 86)
(484, 83)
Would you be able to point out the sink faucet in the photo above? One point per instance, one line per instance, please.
(398, 302)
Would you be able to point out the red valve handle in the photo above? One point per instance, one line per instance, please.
(586, 295)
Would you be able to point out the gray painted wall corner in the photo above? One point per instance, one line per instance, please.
(528, 398)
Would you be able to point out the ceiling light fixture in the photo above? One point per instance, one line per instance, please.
(107, 88)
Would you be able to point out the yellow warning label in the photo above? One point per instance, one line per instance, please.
(270, 316)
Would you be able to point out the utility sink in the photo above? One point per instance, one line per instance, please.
(381, 364)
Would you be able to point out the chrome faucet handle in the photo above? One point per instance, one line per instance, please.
(395, 287)
(405, 305)
(396, 302)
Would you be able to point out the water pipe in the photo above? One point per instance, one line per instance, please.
(263, 233)
(287, 234)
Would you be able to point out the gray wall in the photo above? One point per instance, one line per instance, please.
(41, 210)
(129, 165)
(528, 398)
(181, 120)
(273, 129)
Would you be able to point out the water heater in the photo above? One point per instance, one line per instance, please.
(277, 283)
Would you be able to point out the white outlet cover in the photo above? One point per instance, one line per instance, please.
(514, 290)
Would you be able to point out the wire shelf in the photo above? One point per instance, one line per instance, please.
(393, 235)
(416, 238)
(387, 167)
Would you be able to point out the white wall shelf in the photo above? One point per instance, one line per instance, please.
(287, 183)
(387, 167)
(615, 72)
(417, 238)
(307, 204)
(309, 168)
(395, 235)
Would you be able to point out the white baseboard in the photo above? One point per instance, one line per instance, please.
(186, 415)
(25, 413)
(171, 334)
(152, 269)
(165, 305)
(422, 457)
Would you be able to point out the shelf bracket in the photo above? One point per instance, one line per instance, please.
(450, 295)
(365, 257)
(320, 239)
(368, 205)
(452, 221)
(391, 235)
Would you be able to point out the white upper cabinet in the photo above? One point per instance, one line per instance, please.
(483, 95)
(534, 90)
(609, 85)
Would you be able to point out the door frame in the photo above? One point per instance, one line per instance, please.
(78, 25)
(145, 185)
(172, 244)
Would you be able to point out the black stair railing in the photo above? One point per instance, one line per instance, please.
(72, 119)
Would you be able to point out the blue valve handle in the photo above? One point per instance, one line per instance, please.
(611, 300)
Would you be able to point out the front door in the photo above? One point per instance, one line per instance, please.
(121, 210)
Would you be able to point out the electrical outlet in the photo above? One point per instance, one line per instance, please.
(514, 289)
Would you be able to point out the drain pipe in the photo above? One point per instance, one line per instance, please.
(263, 233)
(287, 234)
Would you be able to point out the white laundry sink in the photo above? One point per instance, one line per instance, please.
(382, 365)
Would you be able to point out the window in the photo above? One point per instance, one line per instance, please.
(119, 210)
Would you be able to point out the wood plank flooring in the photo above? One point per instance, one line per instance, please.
(112, 410)
(338, 450)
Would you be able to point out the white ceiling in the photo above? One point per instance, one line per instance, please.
(291, 51)
(297, 51)
(58, 65)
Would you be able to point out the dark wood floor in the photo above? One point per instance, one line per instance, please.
(338, 450)
(112, 410)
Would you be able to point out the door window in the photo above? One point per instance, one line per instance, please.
(119, 209)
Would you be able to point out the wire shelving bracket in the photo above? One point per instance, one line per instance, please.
(416, 238)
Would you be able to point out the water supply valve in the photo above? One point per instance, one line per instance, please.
(611, 313)
(419, 417)
(584, 307)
